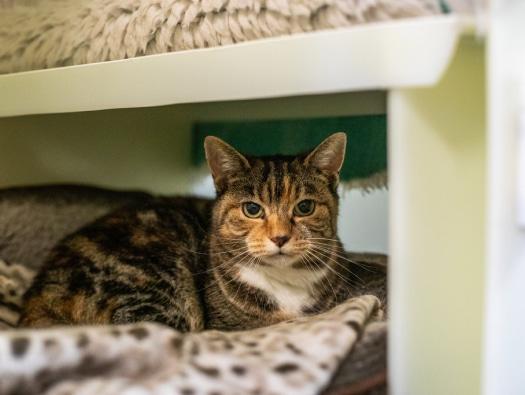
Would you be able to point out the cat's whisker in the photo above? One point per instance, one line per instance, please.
(230, 262)
(322, 281)
(222, 265)
(229, 243)
(226, 246)
(319, 256)
(230, 250)
(213, 253)
(307, 261)
(326, 255)
(249, 264)
(336, 246)
(315, 262)
(334, 252)
(228, 270)
(331, 250)
(230, 240)
(326, 284)
(223, 241)
(322, 238)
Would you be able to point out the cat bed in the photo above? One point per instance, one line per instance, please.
(296, 357)
(341, 351)
(39, 34)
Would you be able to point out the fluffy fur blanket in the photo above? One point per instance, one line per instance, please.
(37, 34)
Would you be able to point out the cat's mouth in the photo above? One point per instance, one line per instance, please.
(280, 258)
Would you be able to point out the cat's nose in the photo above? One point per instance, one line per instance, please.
(280, 240)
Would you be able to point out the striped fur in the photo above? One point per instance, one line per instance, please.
(195, 264)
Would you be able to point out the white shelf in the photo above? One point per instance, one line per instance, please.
(408, 53)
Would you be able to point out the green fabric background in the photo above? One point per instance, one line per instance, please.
(366, 152)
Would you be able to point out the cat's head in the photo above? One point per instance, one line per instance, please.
(275, 210)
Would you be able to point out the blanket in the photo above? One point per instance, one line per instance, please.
(38, 34)
(291, 357)
(294, 357)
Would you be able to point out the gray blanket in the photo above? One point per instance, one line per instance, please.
(341, 351)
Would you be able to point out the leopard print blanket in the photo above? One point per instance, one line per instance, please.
(294, 357)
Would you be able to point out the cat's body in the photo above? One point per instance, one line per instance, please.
(264, 251)
(135, 264)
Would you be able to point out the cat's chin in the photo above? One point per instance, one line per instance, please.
(280, 259)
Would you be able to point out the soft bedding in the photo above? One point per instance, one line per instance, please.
(296, 357)
(39, 34)
(339, 352)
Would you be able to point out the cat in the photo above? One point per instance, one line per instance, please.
(264, 251)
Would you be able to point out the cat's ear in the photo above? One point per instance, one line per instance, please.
(224, 161)
(329, 155)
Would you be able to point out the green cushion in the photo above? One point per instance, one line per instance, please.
(366, 152)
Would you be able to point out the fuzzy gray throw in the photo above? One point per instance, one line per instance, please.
(38, 34)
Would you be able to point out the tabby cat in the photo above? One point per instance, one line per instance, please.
(265, 250)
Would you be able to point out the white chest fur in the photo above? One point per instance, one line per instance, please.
(289, 287)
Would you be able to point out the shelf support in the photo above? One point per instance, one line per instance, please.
(437, 160)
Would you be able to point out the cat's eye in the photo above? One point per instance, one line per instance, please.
(304, 208)
(252, 210)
